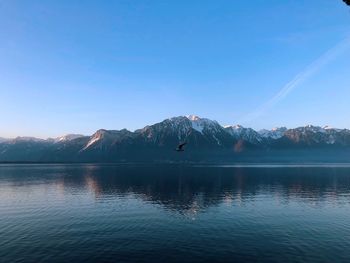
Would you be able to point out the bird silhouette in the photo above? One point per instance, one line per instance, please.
(180, 147)
(347, 2)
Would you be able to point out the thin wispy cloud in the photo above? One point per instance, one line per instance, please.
(301, 77)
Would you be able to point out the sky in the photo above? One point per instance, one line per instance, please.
(79, 66)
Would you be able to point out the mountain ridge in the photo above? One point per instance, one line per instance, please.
(206, 140)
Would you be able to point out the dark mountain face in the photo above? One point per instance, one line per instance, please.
(22, 150)
(311, 136)
(199, 133)
(248, 135)
(206, 141)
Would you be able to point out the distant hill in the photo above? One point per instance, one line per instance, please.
(207, 141)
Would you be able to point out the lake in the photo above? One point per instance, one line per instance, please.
(174, 213)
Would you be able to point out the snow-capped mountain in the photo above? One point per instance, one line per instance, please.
(247, 134)
(67, 137)
(204, 137)
(315, 135)
(203, 125)
(274, 133)
(103, 139)
(201, 131)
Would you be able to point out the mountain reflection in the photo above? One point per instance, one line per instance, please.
(187, 189)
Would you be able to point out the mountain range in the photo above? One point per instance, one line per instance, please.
(207, 141)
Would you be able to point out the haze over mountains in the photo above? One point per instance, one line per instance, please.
(207, 141)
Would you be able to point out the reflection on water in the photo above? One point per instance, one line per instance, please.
(181, 188)
(174, 213)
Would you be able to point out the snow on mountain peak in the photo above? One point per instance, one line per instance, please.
(200, 124)
(248, 134)
(274, 133)
(330, 129)
(235, 127)
(278, 129)
(68, 137)
(97, 136)
(313, 129)
(193, 117)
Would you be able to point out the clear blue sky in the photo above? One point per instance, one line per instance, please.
(78, 66)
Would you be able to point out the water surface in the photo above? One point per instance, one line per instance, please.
(174, 213)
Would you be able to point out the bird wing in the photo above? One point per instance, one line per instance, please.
(182, 145)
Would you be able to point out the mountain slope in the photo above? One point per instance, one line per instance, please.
(206, 140)
(197, 132)
(246, 134)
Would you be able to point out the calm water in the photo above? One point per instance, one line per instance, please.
(89, 213)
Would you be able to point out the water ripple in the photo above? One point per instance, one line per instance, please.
(83, 213)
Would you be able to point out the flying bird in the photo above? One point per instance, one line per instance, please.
(180, 147)
(347, 2)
